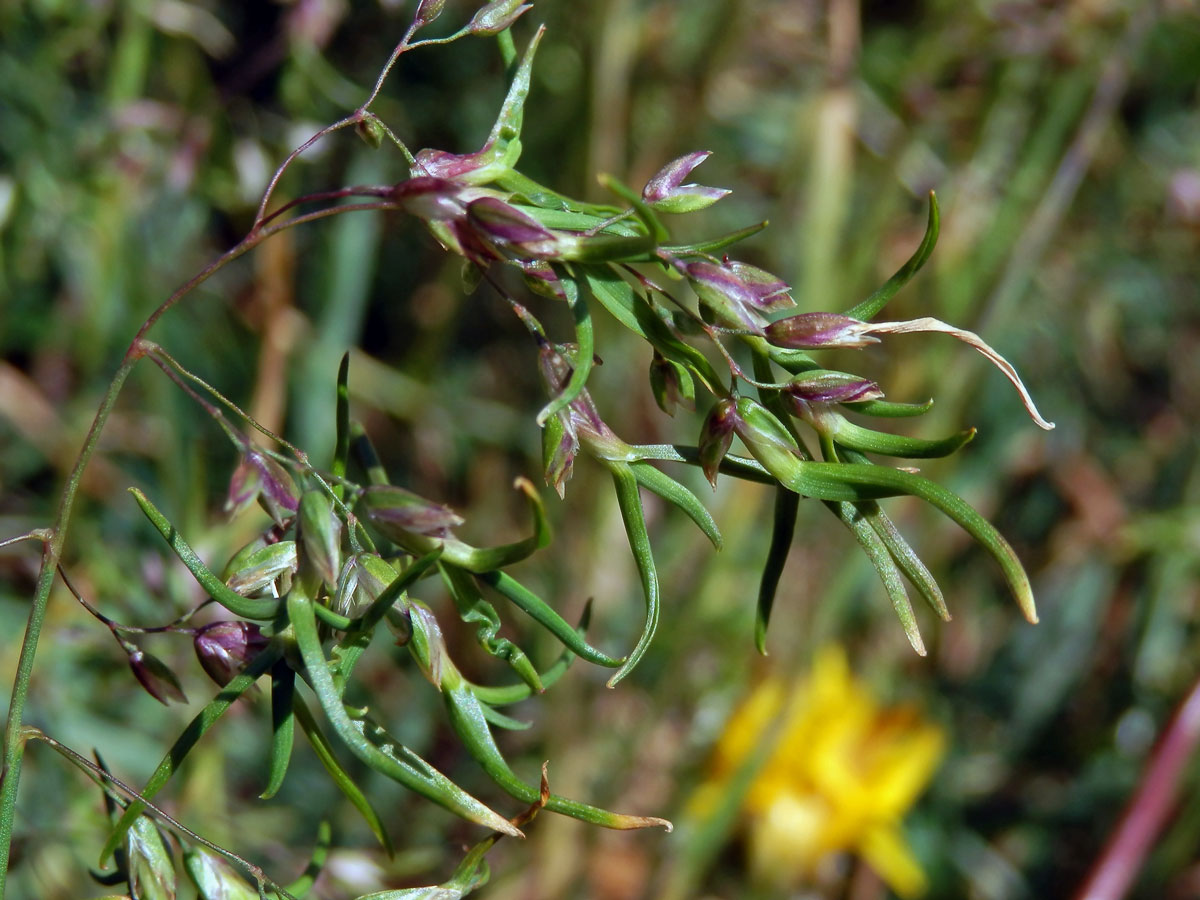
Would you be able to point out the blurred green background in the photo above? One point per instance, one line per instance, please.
(1063, 140)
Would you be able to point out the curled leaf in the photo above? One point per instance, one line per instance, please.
(787, 505)
(674, 492)
(546, 616)
(473, 609)
(972, 339)
(469, 723)
(630, 502)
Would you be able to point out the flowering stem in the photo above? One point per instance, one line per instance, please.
(103, 777)
(55, 537)
(14, 736)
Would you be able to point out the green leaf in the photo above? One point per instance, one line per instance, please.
(854, 482)
(471, 873)
(341, 446)
(906, 558)
(713, 246)
(474, 610)
(368, 458)
(874, 304)
(283, 726)
(502, 149)
(183, 745)
(500, 720)
(514, 693)
(505, 138)
(434, 892)
(571, 217)
(673, 492)
(796, 362)
(389, 758)
(546, 616)
(885, 409)
(584, 357)
(786, 509)
(262, 610)
(469, 721)
(847, 434)
(787, 506)
(617, 296)
(624, 303)
(630, 502)
(324, 751)
(858, 518)
(889, 572)
(316, 862)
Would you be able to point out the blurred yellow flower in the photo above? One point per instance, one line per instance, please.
(839, 776)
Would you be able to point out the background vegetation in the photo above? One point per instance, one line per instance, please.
(1064, 143)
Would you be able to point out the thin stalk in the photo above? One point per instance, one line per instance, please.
(104, 777)
(55, 537)
(261, 217)
(14, 737)
(115, 626)
(387, 68)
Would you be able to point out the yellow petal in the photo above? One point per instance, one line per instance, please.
(788, 839)
(746, 726)
(885, 850)
(910, 764)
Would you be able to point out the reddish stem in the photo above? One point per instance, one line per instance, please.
(1147, 812)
